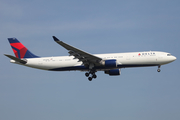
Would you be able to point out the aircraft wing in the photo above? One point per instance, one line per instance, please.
(83, 56)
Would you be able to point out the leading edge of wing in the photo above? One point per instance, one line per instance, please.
(74, 51)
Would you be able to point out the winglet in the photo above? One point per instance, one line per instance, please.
(55, 39)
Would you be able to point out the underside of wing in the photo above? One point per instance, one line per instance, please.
(83, 56)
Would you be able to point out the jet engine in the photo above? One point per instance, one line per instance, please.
(109, 63)
(113, 72)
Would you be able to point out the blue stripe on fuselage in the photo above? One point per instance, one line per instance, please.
(100, 67)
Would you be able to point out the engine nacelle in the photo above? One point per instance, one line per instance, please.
(113, 72)
(109, 63)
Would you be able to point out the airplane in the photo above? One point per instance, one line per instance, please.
(80, 60)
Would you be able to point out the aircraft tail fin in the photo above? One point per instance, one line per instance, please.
(20, 50)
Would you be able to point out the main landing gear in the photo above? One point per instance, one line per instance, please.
(92, 73)
(159, 70)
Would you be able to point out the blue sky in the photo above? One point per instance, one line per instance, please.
(97, 27)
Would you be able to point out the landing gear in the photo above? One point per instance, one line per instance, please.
(87, 74)
(159, 70)
(94, 76)
(90, 78)
(92, 73)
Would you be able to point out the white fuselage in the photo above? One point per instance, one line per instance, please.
(133, 59)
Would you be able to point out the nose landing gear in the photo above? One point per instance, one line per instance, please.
(159, 70)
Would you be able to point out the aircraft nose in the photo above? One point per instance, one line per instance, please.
(174, 58)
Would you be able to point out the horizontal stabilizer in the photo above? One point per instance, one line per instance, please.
(16, 59)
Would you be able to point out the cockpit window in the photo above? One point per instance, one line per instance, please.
(169, 55)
